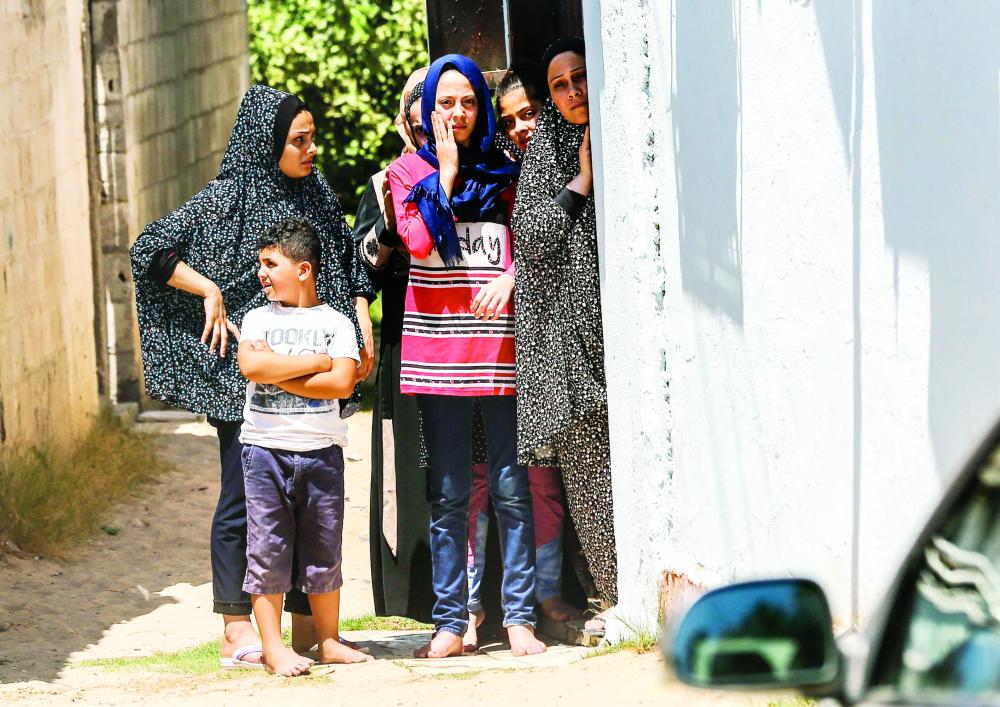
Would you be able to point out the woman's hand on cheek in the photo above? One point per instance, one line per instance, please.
(583, 183)
(447, 152)
(586, 165)
(493, 298)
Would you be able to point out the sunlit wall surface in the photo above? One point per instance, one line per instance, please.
(801, 309)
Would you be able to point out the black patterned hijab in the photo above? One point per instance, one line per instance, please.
(560, 140)
(559, 337)
(215, 233)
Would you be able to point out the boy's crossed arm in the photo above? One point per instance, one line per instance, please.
(308, 376)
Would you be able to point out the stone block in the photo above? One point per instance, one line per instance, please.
(110, 138)
(112, 113)
(126, 413)
(114, 227)
(104, 24)
(118, 281)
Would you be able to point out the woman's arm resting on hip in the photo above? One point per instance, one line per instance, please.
(217, 324)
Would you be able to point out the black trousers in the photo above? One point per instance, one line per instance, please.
(229, 532)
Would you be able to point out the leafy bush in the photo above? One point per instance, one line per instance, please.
(348, 61)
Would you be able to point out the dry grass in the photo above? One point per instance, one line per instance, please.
(49, 500)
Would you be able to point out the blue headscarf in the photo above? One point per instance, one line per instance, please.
(483, 170)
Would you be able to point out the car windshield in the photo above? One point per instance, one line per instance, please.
(944, 631)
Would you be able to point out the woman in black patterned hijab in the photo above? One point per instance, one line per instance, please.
(562, 406)
(195, 273)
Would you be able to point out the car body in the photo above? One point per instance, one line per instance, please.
(934, 640)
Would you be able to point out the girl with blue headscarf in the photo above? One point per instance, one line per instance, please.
(452, 201)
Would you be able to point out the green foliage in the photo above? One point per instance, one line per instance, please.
(348, 61)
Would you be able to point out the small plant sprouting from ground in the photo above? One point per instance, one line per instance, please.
(51, 499)
(640, 639)
(640, 642)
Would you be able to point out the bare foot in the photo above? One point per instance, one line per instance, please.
(523, 642)
(238, 634)
(303, 633)
(443, 645)
(286, 662)
(558, 610)
(352, 644)
(471, 639)
(599, 622)
(333, 650)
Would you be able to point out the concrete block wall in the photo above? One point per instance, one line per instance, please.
(48, 383)
(169, 76)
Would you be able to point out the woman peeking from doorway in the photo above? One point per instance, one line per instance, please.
(561, 389)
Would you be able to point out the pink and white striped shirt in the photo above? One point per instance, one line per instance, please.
(445, 349)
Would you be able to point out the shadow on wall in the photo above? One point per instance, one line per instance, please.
(936, 94)
(706, 118)
(835, 20)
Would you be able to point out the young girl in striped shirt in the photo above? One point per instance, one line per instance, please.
(452, 204)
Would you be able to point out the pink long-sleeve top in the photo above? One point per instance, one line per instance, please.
(445, 349)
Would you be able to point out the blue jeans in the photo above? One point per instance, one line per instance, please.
(447, 422)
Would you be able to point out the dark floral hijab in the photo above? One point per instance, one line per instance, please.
(561, 138)
(559, 338)
(215, 233)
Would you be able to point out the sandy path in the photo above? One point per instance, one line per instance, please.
(148, 589)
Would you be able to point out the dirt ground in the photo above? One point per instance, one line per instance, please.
(147, 589)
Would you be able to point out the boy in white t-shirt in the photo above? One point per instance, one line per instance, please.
(301, 357)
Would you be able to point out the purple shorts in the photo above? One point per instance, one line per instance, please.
(295, 513)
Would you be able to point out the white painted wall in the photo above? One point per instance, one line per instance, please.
(801, 308)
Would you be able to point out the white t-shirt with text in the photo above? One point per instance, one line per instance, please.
(275, 418)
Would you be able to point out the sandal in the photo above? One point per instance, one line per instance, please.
(238, 662)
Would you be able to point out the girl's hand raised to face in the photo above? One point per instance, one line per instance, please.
(447, 152)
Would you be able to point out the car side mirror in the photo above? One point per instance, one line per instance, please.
(769, 634)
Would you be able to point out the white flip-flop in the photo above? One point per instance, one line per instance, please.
(237, 662)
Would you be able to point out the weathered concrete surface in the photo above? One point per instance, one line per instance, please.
(48, 385)
(168, 80)
(801, 311)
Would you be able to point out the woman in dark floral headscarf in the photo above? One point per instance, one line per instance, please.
(195, 273)
(562, 406)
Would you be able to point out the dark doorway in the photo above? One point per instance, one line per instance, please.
(535, 24)
(496, 32)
